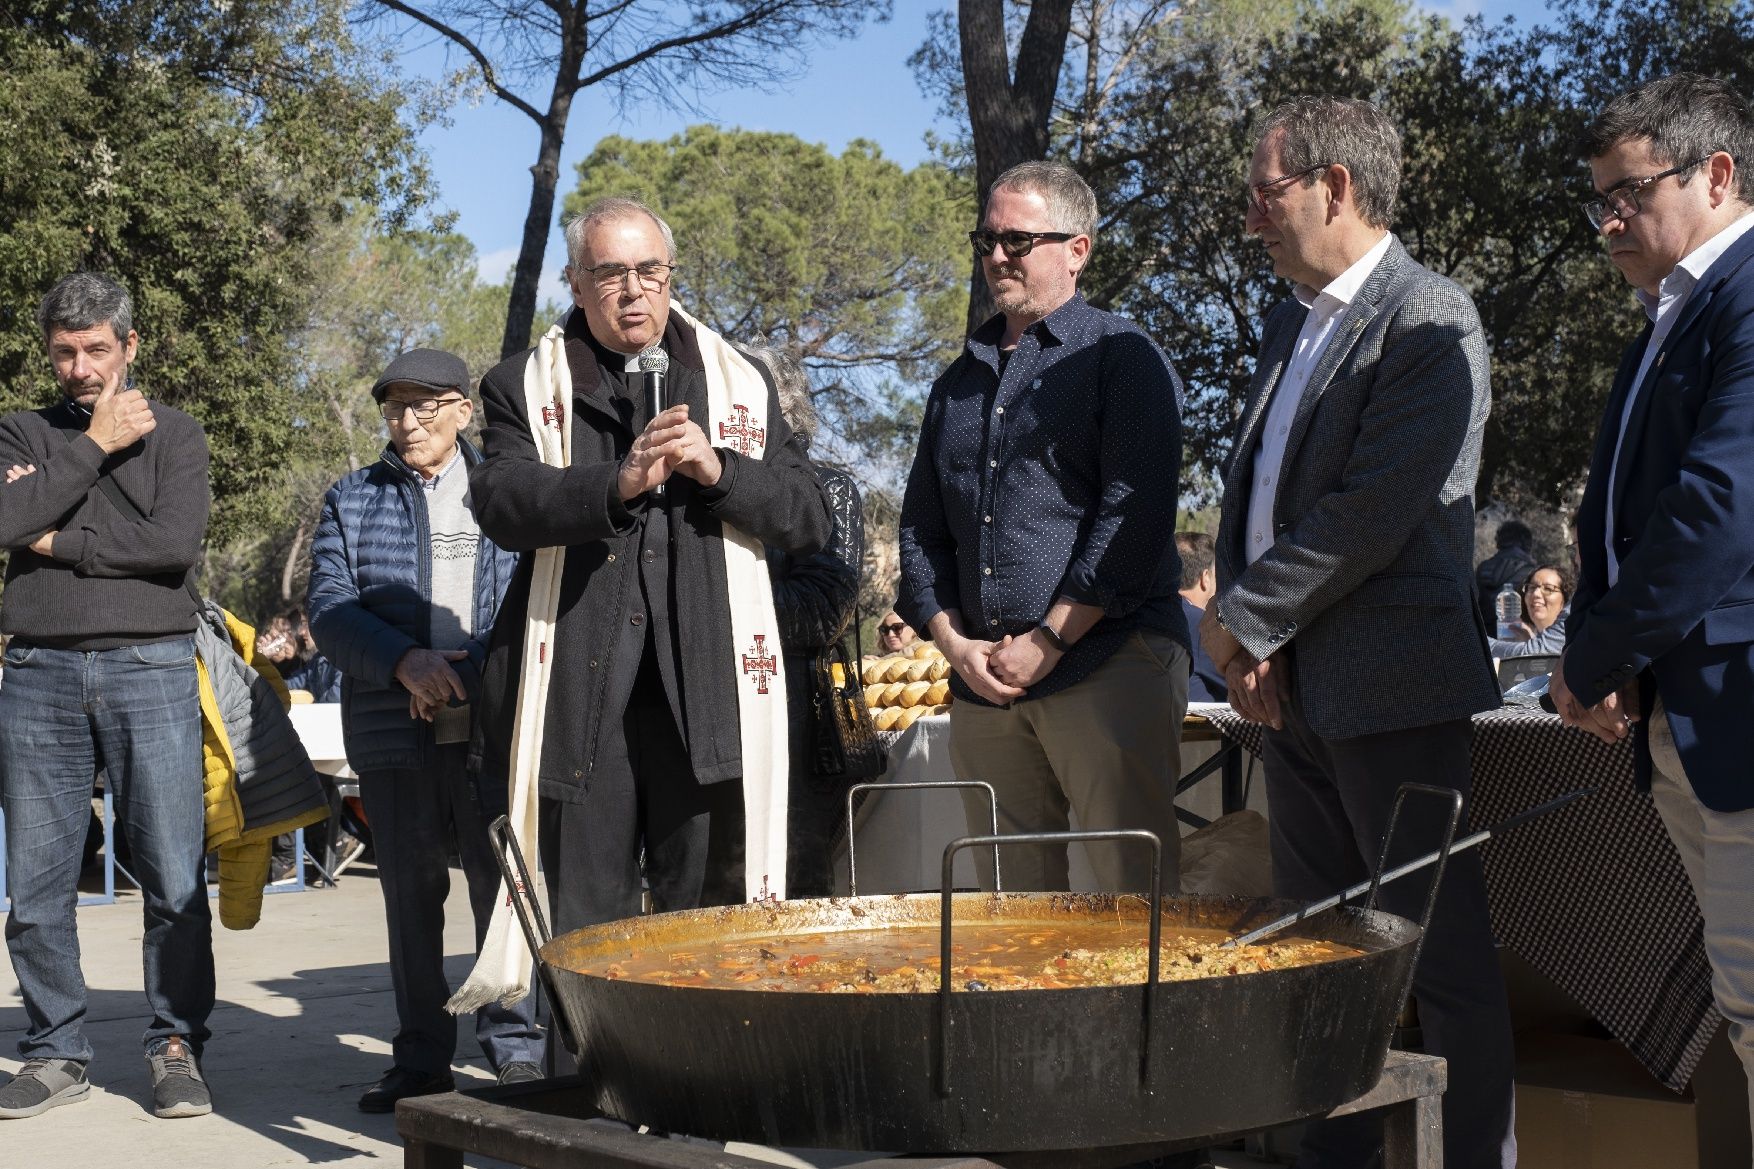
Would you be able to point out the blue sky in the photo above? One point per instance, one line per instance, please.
(860, 88)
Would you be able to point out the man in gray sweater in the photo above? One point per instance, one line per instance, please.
(100, 673)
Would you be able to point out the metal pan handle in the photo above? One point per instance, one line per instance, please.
(852, 857)
(944, 924)
(1454, 798)
(519, 888)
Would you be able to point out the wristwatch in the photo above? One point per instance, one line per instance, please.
(1053, 636)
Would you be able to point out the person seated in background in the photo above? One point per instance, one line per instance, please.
(1199, 582)
(1546, 599)
(404, 592)
(1511, 564)
(814, 595)
(894, 634)
(309, 671)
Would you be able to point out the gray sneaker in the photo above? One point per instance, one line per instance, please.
(177, 1086)
(42, 1084)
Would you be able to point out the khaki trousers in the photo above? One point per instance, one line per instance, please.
(1107, 749)
(1717, 850)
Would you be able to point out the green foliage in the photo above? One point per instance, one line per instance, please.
(374, 295)
(853, 262)
(194, 151)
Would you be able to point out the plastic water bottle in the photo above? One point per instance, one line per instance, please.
(1510, 611)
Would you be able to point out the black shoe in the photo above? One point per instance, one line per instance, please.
(401, 1083)
(42, 1084)
(177, 1086)
(519, 1072)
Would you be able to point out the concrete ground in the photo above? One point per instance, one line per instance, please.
(301, 1028)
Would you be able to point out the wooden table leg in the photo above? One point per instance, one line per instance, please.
(1413, 1134)
(419, 1154)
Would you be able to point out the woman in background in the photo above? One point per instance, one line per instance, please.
(1546, 597)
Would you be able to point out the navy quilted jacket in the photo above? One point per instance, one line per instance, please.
(370, 602)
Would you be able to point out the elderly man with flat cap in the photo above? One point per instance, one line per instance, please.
(636, 694)
(403, 594)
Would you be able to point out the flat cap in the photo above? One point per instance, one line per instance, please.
(433, 369)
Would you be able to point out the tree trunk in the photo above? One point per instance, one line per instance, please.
(544, 178)
(289, 569)
(1008, 118)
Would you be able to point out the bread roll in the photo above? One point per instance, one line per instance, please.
(888, 717)
(938, 710)
(920, 649)
(913, 693)
(940, 669)
(874, 695)
(917, 671)
(872, 674)
(909, 717)
(895, 669)
(938, 694)
(892, 694)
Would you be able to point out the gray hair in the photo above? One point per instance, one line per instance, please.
(85, 300)
(1071, 202)
(1685, 117)
(1322, 130)
(611, 209)
(789, 379)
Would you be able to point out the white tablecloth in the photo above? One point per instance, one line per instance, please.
(901, 837)
(319, 728)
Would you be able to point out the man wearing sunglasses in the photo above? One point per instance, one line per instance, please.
(404, 591)
(1037, 547)
(1345, 620)
(1660, 643)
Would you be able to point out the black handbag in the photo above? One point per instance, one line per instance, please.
(844, 739)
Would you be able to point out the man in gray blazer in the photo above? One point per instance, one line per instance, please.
(1344, 620)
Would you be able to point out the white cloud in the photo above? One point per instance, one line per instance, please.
(495, 267)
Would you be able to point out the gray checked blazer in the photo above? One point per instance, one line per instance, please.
(1370, 577)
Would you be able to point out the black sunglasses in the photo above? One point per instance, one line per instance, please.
(896, 628)
(1017, 243)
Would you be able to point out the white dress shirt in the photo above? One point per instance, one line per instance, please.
(1664, 309)
(1325, 310)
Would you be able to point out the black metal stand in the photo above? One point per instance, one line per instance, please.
(549, 1125)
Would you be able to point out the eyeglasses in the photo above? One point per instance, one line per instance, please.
(653, 274)
(1532, 587)
(1017, 243)
(1257, 192)
(1621, 202)
(899, 625)
(425, 409)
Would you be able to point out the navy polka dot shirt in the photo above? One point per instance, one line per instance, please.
(1053, 473)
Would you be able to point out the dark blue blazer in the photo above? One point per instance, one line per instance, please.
(1681, 616)
(1205, 683)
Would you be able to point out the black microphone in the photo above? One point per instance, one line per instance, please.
(654, 363)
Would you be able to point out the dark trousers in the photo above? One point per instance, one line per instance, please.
(415, 817)
(642, 796)
(1329, 802)
(132, 711)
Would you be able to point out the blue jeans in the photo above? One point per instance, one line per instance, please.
(134, 713)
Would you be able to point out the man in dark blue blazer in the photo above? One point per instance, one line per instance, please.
(1660, 644)
(1199, 584)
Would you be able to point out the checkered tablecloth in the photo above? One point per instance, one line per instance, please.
(1594, 895)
